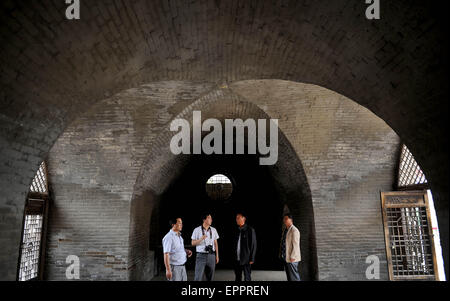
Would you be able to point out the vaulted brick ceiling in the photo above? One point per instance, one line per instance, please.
(53, 69)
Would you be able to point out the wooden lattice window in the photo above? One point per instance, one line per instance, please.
(408, 234)
(34, 224)
(409, 173)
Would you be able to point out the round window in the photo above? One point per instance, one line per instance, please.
(219, 187)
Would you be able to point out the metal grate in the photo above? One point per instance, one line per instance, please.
(410, 172)
(410, 242)
(30, 247)
(39, 183)
(219, 187)
(218, 179)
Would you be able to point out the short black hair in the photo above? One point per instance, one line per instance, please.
(173, 221)
(205, 215)
(241, 213)
(288, 215)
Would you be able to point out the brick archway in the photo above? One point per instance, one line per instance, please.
(54, 69)
(162, 167)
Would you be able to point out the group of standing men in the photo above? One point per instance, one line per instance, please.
(205, 237)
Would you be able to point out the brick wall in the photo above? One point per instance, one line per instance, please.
(92, 170)
(52, 69)
(349, 156)
(101, 213)
(161, 167)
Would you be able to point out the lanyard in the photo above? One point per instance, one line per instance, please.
(210, 232)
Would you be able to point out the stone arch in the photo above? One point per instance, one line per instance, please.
(55, 69)
(132, 120)
(162, 166)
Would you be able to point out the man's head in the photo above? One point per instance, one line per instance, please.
(207, 219)
(240, 219)
(176, 224)
(287, 220)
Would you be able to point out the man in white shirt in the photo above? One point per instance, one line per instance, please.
(175, 255)
(205, 238)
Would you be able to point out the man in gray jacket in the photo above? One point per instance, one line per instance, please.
(290, 249)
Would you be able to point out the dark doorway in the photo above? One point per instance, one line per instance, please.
(263, 192)
(253, 192)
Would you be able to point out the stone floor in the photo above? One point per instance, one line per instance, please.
(228, 275)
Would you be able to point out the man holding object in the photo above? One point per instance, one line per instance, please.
(205, 238)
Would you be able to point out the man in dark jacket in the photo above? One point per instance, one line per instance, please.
(245, 242)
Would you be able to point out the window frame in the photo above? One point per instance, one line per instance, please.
(413, 187)
(408, 195)
(31, 201)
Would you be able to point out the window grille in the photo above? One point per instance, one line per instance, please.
(410, 172)
(39, 184)
(33, 235)
(219, 179)
(219, 187)
(408, 235)
(31, 247)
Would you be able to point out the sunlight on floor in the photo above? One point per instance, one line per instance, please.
(228, 275)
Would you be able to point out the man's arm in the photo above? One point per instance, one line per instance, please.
(196, 242)
(216, 245)
(167, 245)
(167, 264)
(296, 246)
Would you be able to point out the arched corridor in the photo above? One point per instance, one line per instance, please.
(262, 191)
(94, 98)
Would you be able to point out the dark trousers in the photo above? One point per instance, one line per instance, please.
(205, 265)
(292, 271)
(239, 268)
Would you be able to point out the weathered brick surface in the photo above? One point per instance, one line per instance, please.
(52, 68)
(161, 168)
(108, 168)
(93, 168)
(349, 156)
